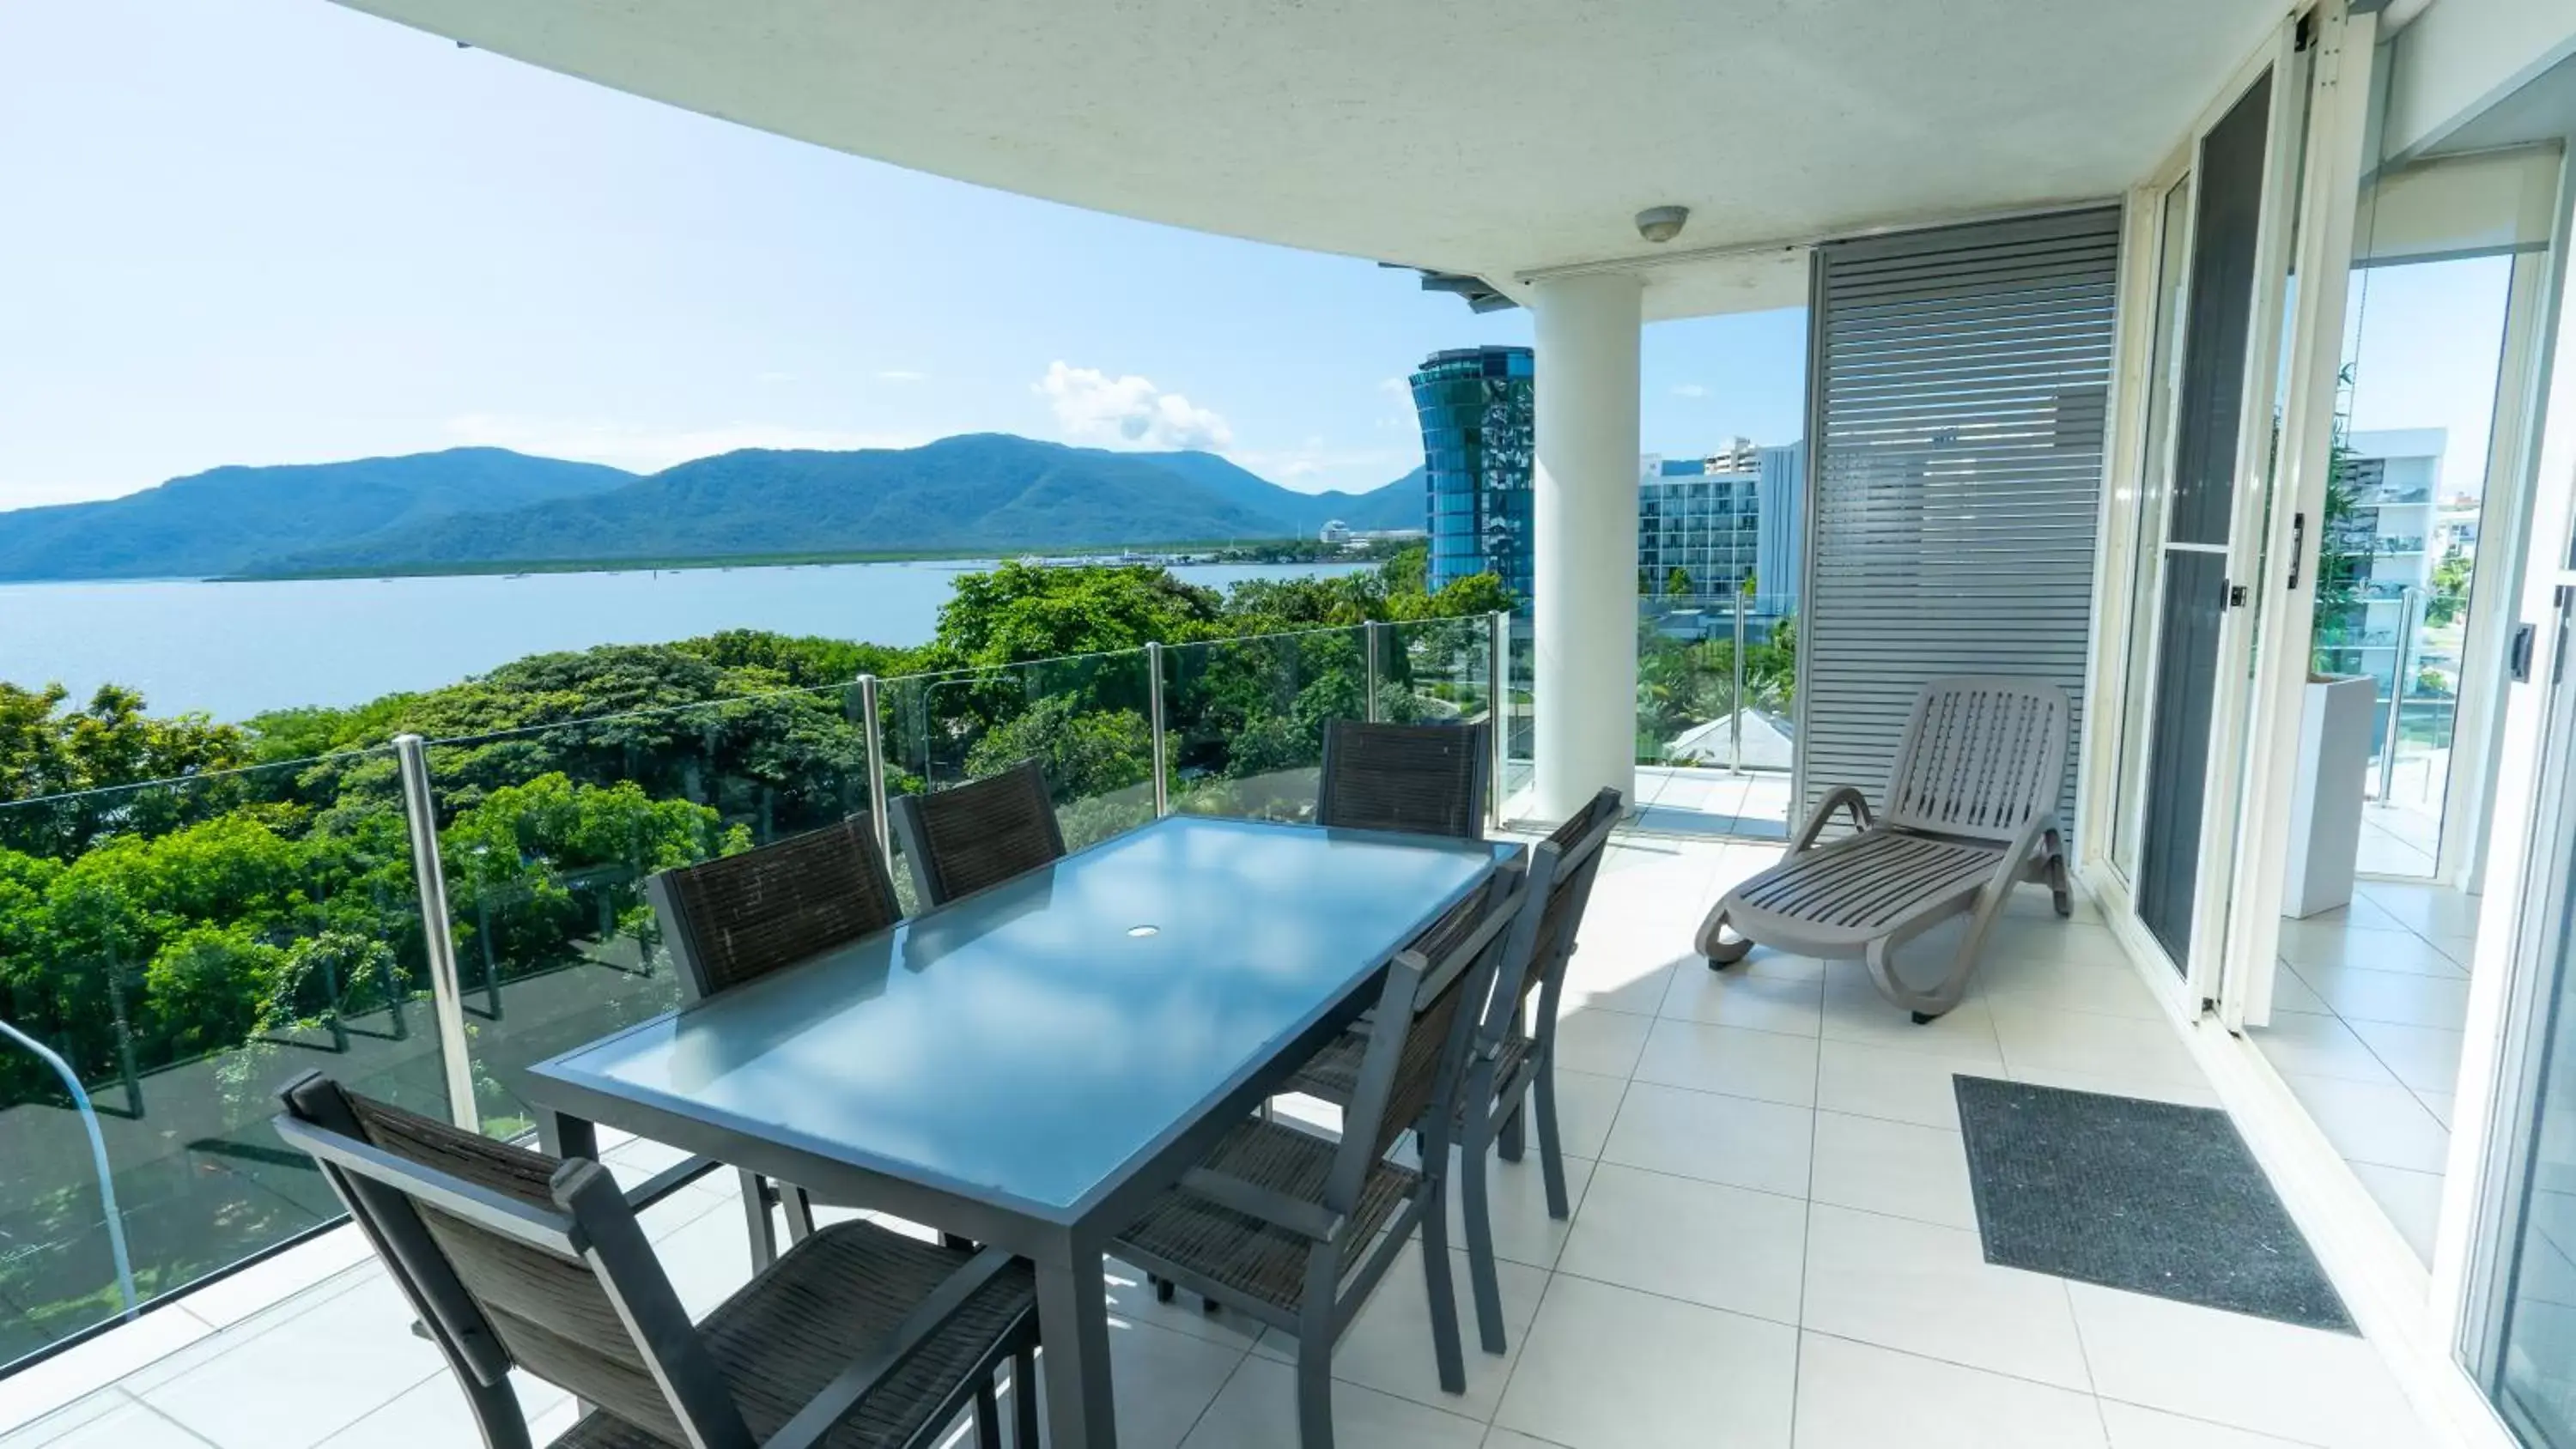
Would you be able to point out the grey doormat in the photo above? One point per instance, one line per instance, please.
(2146, 1196)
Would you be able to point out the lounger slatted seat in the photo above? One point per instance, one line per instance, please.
(1970, 814)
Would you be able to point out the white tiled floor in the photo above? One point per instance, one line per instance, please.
(2366, 1029)
(1772, 1246)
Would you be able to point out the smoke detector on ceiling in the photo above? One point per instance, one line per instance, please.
(1662, 223)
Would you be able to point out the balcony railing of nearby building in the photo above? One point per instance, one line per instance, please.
(426, 918)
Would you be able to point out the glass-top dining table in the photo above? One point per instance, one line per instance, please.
(1031, 1065)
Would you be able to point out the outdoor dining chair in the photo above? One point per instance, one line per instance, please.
(1971, 812)
(1512, 1066)
(857, 1338)
(737, 918)
(967, 837)
(1296, 1229)
(1423, 779)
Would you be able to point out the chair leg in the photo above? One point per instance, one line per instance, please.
(1314, 1395)
(1163, 1290)
(799, 1206)
(1513, 1139)
(1442, 1290)
(2059, 894)
(1024, 1399)
(1482, 1276)
(988, 1416)
(1551, 1144)
(755, 1218)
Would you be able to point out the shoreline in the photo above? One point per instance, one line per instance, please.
(1171, 555)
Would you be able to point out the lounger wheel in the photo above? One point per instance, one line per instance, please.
(1721, 952)
(1925, 1018)
(1162, 1290)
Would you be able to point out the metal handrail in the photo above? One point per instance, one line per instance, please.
(438, 933)
(98, 1160)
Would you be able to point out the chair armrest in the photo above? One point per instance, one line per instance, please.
(2016, 858)
(1305, 1219)
(835, 1400)
(1845, 797)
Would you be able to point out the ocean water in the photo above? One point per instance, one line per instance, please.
(235, 649)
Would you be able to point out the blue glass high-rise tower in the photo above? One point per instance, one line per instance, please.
(1476, 410)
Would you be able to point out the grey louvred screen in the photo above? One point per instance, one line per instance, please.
(1958, 399)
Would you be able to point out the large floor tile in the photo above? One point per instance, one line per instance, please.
(236, 1296)
(1898, 1086)
(2152, 1089)
(2251, 1373)
(2412, 1200)
(1612, 1368)
(1388, 1347)
(2358, 994)
(113, 1357)
(2292, 993)
(1516, 1198)
(1162, 1383)
(2303, 946)
(2037, 935)
(1896, 1168)
(1258, 1410)
(1750, 999)
(1725, 1247)
(1858, 1396)
(2075, 1041)
(1695, 1054)
(1605, 1043)
(2426, 909)
(1131, 1300)
(1586, 1106)
(115, 1422)
(1929, 1290)
(2423, 1057)
(2319, 1046)
(433, 1415)
(306, 1378)
(2133, 1427)
(2374, 1122)
(1611, 981)
(1735, 1140)
(1854, 1011)
(2067, 986)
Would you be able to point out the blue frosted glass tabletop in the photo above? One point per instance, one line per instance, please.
(1028, 1043)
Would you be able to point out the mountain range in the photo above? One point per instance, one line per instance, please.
(473, 508)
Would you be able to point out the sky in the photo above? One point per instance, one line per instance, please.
(273, 231)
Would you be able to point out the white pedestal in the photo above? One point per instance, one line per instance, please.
(2325, 811)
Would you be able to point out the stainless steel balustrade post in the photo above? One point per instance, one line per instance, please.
(98, 1161)
(868, 720)
(1498, 704)
(2404, 643)
(1368, 642)
(1737, 758)
(446, 997)
(1154, 716)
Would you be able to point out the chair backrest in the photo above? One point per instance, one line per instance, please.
(1982, 756)
(512, 1258)
(738, 918)
(1423, 779)
(1436, 991)
(964, 838)
(1578, 846)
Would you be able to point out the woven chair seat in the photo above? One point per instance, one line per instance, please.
(1243, 1253)
(825, 1305)
(1334, 1073)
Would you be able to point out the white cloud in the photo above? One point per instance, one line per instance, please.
(1689, 389)
(1316, 467)
(1128, 412)
(901, 374)
(648, 450)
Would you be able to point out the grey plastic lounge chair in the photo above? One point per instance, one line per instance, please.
(962, 839)
(733, 920)
(1513, 1063)
(1424, 779)
(1295, 1229)
(1969, 815)
(858, 1338)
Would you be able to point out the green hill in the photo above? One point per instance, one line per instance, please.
(224, 520)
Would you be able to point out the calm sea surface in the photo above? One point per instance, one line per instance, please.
(233, 650)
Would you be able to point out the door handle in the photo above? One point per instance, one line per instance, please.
(2298, 542)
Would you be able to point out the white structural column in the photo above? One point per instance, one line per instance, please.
(1584, 525)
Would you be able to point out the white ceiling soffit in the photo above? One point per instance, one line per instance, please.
(1492, 137)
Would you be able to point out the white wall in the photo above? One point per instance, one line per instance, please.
(2460, 55)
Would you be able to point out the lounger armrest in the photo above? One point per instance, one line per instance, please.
(2015, 862)
(822, 1413)
(1846, 797)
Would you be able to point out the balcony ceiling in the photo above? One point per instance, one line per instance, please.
(1491, 137)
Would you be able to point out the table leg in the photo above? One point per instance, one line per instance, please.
(1073, 1333)
(562, 1134)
